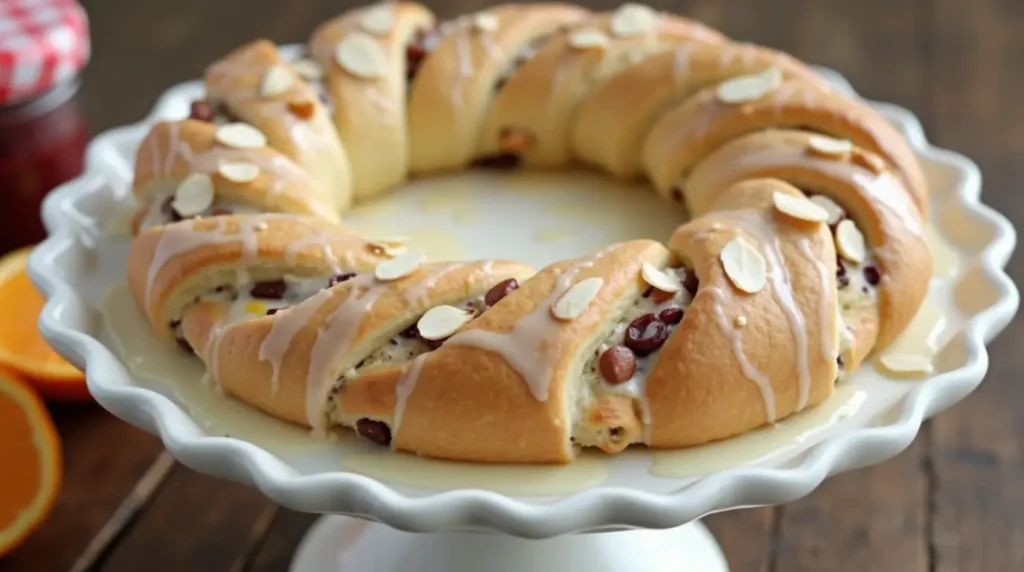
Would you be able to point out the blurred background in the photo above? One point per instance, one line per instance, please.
(951, 502)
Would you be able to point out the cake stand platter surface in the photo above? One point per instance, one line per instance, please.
(393, 512)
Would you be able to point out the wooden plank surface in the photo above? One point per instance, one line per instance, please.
(951, 502)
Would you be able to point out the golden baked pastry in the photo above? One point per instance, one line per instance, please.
(804, 254)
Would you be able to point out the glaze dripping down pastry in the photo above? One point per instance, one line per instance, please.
(804, 254)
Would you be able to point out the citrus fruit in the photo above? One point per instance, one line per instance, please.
(30, 473)
(22, 347)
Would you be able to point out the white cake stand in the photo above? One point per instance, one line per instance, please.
(631, 519)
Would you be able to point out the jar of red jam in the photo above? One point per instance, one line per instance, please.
(44, 44)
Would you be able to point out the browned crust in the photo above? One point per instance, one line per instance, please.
(698, 390)
(242, 373)
(613, 120)
(496, 417)
(447, 106)
(280, 187)
(370, 114)
(169, 266)
(886, 215)
(692, 131)
(541, 99)
(311, 142)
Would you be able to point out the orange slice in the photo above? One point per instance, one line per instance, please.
(30, 473)
(22, 347)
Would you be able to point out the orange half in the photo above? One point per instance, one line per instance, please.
(22, 347)
(30, 473)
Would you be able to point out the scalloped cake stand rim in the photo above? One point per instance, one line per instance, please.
(599, 508)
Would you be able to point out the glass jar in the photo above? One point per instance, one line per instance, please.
(42, 145)
(43, 132)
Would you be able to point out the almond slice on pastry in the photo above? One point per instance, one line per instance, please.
(613, 120)
(539, 102)
(369, 109)
(880, 293)
(296, 362)
(517, 370)
(682, 137)
(188, 152)
(254, 84)
(171, 267)
(456, 84)
(741, 359)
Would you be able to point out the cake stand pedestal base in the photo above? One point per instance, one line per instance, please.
(343, 544)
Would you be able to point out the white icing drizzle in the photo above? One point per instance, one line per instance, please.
(404, 388)
(884, 188)
(334, 340)
(283, 327)
(754, 224)
(418, 294)
(227, 73)
(531, 346)
(322, 238)
(464, 56)
(826, 304)
(682, 58)
(183, 237)
(282, 170)
(762, 382)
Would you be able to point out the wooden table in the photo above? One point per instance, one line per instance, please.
(952, 501)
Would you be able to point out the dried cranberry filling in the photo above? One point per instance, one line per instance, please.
(376, 431)
(167, 209)
(339, 278)
(872, 275)
(646, 334)
(184, 345)
(424, 42)
(500, 161)
(842, 279)
(269, 290)
(206, 110)
(500, 290)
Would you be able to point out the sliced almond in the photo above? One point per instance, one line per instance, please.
(402, 265)
(361, 55)
(238, 171)
(749, 87)
(829, 147)
(660, 280)
(240, 136)
(907, 364)
(576, 299)
(378, 19)
(744, 265)
(868, 160)
(588, 39)
(631, 19)
(485, 22)
(194, 195)
(441, 322)
(276, 80)
(303, 109)
(799, 207)
(850, 242)
(835, 212)
(308, 69)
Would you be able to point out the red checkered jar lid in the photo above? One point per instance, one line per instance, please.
(43, 43)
